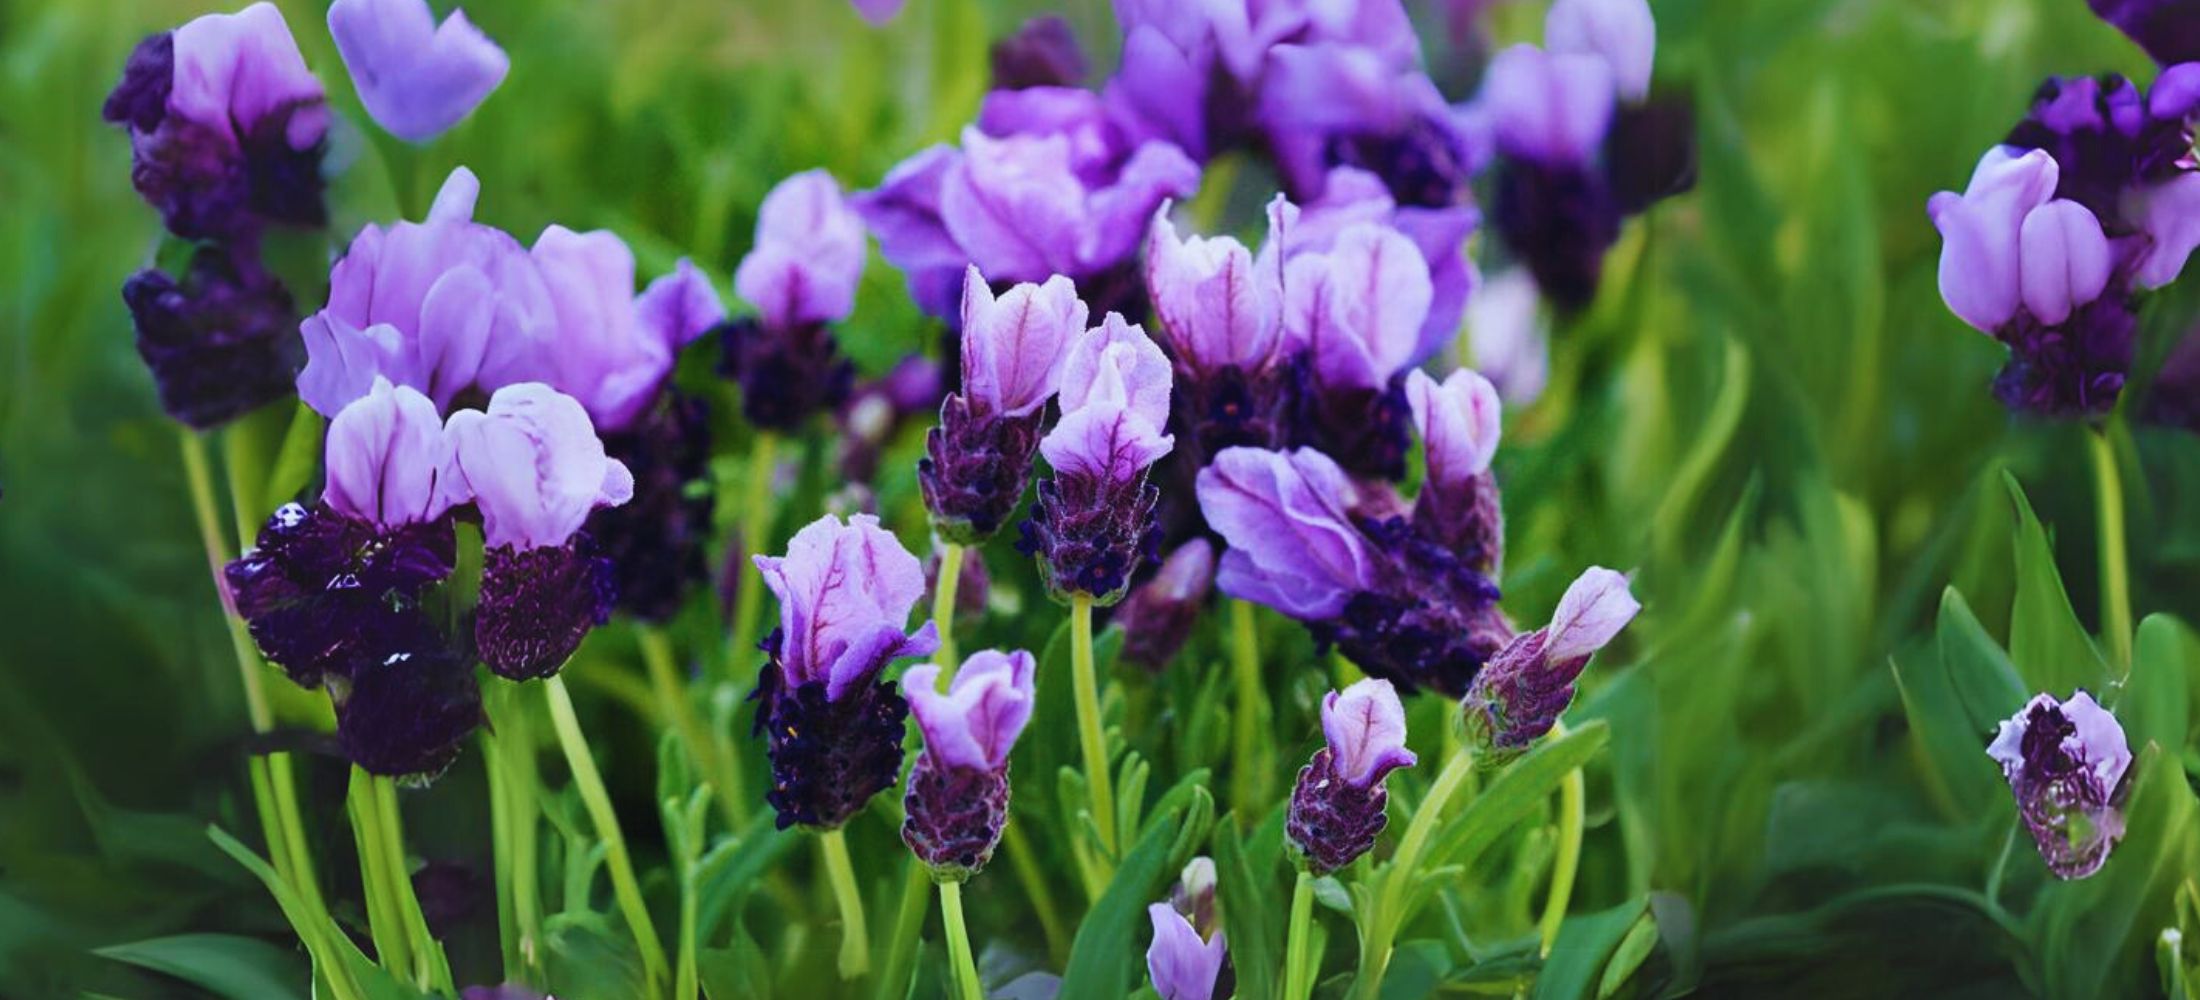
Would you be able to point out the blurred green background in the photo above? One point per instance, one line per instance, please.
(1768, 413)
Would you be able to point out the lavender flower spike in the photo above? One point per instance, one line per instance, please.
(1459, 505)
(833, 729)
(1093, 523)
(1621, 32)
(222, 341)
(536, 470)
(2066, 762)
(1520, 694)
(1358, 310)
(1337, 809)
(957, 798)
(416, 78)
(1183, 965)
(1219, 307)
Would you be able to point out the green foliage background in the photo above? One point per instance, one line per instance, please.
(1768, 413)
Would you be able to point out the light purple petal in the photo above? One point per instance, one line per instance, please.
(1621, 32)
(974, 724)
(1980, 274)
(1548, 108)
(1214, 302)
(1458, 420)
(343, 361)
(904, 213)
(1334, 88)
(680, 306)
(2169, 214)
(416, 78)
(386, 456)
(841, 587)
(231, 71)
(1013, 347)
(1015, 205)
(1181, 964)
(2064, 257)
(1116, 365)
(1366, 728)
(878, 11)
(1116, 214)
(1286, 519)
(1511, 345)
(809, 254)
(1161, 90)
(1594, 609)
(534, 466)
(1360, 306)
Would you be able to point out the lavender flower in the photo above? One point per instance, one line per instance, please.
(226, 125)
(2036, 273)
(536, 470)
(1337, 808)
(957, 799)
(1183, 964)
(221, 342)
(878, 11)
(1092, 525)
(1220, 309)
(1352, 197)
(1525, 688)
(833, 729)
(1511, 344)
(1357, 309)
(389, 460)
(1621, 33)
(1042, 53)
(979, 458)
(1459, 505)
(1330, 104)
(801, 277)
(2066, 762)
(1158, 615)
(416, 78)
(410, 701)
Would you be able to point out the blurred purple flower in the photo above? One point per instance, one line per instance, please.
(1338, 806)
(655, 541)
(1523, 690)
(1351, 197)
(1287, 519)
(878, 11)
(974, 724)
(1183, 965)
(2169, 30)
(2067, 763)
(1219, 309)
(226, 124)
(808, 257)
(1158, 615)
(1042, 53)
(221, 342)
(1620, 32)
(1510, 344)
(1459, 507)
(416, 78)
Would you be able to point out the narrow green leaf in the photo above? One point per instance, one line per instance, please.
(1250, 903)
(1517, 793)
(2050, 647)
(2156, 703)
(1108, 947)
(232, 966)
(1985, 683)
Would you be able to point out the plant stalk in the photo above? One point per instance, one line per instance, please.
(1398, 877)
(1573, 798)
(1098, 780)
(958, 941)
(1298, 970)
(2115, 558)
(855, 935)
(756, 518)
(589, 782)
(943, 609)
(1249, 778)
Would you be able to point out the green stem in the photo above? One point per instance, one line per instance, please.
(195, 470)
(589, 782)
(756, 517)
(1097, 778)
(1399, 876)
(1037, 888)
(1298, 969)
(2001, 865)
(430, 968)
(501, 817)
(1572, 809)
(687, 982)
(855, 935)
(916, 884)
(391, 947)
(943, 609)
(2115, 560)
(679, 709)
(1248, 784)
(958, 941)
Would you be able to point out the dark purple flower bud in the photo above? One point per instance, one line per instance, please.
(1357, 311)
(801, 276)
(1560, 221)
(829, 755)
(1459, 505)
(2169, 30)
(1158, 615)
(1090, 533)
(1521, 693)
(221, 343)
(320, 585)
(408, 702)
(537, 604)
(1042, 53)
(2066, 762)
(1650, 152)
(452, 894)
(1432, 622)
(2097, 130)
(1337, 808)
(953, 817)
(417, 78)
(975, 469)
(655, 541)
(786, 376)
(957, 801)
(226, 125)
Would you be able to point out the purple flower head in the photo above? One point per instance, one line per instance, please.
(809, 254)
(2066, 762)
(221, 342)
(1183, 965)
(1358, 308)
(953, 817)
(845, 591)
(974, 723)
(534, 466)
(416, 78)
(1115, 400)
(1338, 806)
(1013, 347)
(320, 589)
(2166, 29)
(537, 604)
(409, 703)
(388, 460)
(226, 125)
(878, 11)
(1366, 728)
(1548, 108)
(1620, 32)
(2169, 214)
(609, 349)
(1351, 197)
(1521, 693)
(1216, 302)
(1287, 519)
(1159, 614)
(1042, 53)
(1458, 420)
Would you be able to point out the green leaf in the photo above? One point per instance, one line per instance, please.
(376, 983)
(1103, 959)
(1985, 682)
(2156, 704)
(1249, 901)
(1585, 945)
(232, 966)
(733, 867)
(1518, 792)
(298, 458)
(2046, 640)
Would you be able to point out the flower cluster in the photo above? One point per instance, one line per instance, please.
(801, 277)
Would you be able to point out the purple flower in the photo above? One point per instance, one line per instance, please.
(1351, 197)
(1521, 693)
(1338, 806)
(1621, 32)
(389, 460)
(1549, 108)
(1459, 506)
(1115, 399)
(1183, 965)
(845, 592)
(1287, 519)
(975, 722)
(1358, 308)
(808, 256)
(1217, 304)
(323, 592)
(1027, 206)
(878, 11)
(1511, 345)
(904, 213)
(1042, 53)
(2067, 764)
(416, 78)
(2166, 29)
(606, 350)
(226, 125)
(534, 466)
(409, 702)
(655, 541)
(220, 343)
(1158, 615)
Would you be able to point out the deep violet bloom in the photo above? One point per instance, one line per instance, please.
(409, 703)
(1158, 616)
(1548, 114)
(1042, 53)
(2066, 762)
(1459, 505)
(1525, 688)
(416, 78)
(1351, 197)
(833, 729)
(656, 540)
(2169, 30)
(222, 341)
(2038, 274)
(957, 799)
(2127, 158)
(1356, 311)
(1093, 524)
(1338, 806)
(536, 469)
(227, 126)
(978, 459)
(1182, 964)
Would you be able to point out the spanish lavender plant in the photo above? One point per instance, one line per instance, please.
(1219, 308)
(1337, 808)
(2067, 764)
(1523, 690)
(1042, 53)
(416, 78)
(1357, 310)
(801, 277)
(1460, 506)
(222, 341)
